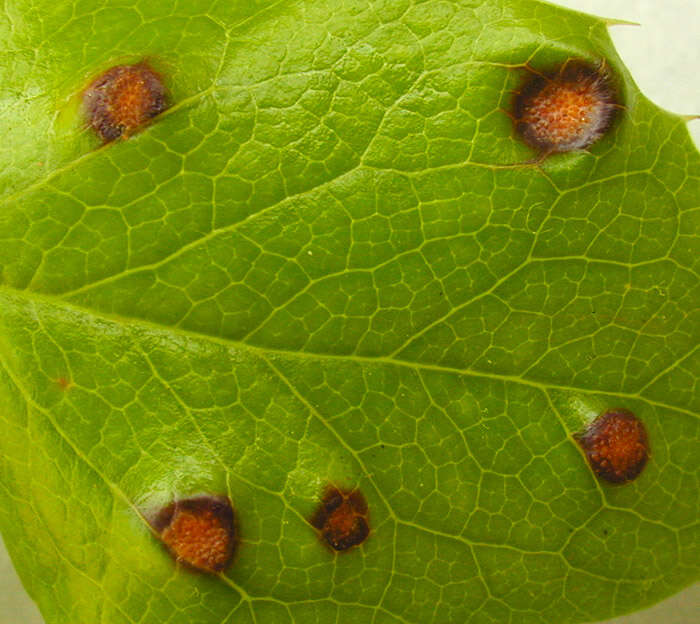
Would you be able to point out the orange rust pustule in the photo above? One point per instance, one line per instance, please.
(199, 532)
(565, 110)
(616, 445)
(123, 99)
(342, 518)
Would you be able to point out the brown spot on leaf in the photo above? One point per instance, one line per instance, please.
(123, 99)
(199, 532)
(342, 518)
(567, 109)
(616, 446)
(64, 383)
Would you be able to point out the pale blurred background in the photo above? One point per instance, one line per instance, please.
(663, 54)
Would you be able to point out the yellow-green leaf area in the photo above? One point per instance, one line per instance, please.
(333, 261)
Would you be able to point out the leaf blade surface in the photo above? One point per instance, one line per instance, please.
(320, 266)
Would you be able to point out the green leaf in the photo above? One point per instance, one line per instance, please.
(320, 266)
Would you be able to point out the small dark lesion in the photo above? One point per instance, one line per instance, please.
(64, 383)
(123, 99)
(342, 518)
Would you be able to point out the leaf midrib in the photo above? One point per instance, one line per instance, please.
(261, 351)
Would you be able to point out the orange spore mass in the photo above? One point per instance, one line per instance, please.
(561, 113)
(199, 532)
(131, 102)
(565, 110)
(199, 540)
(616, 446)
(123, 99)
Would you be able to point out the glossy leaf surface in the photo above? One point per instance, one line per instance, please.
(330, 262)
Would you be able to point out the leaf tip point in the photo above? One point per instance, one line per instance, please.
(611, 21)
